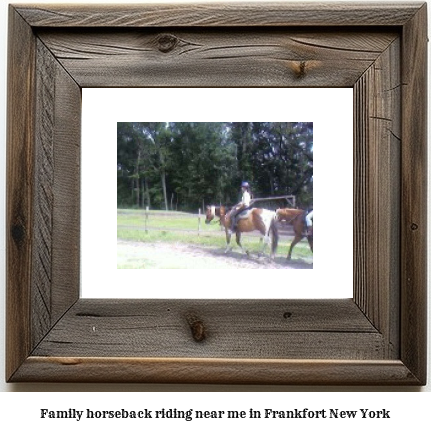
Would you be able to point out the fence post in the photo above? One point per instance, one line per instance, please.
(146, 219)
(199, 223)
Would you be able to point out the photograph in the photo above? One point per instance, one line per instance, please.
(218, 195)
(169, 191)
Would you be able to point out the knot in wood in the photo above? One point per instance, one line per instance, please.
(197, 328)
(300, 69)
(166, 42)
(414, 226)
(18, 233)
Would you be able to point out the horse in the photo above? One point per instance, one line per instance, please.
(258, 219)
(296, 218)
(216, 211)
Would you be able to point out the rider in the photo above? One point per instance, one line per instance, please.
(309, 222)
(241, 206)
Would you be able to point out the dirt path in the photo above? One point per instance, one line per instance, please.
(139, 255)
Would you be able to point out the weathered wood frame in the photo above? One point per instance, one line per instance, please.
(378, 337)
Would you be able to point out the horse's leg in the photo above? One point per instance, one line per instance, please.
(274, 238)
(310, 237)
(270, 236)
(310, 242)
(238, 241)
(294, 242)
(298, 228)
(265, 240)
(228, 246)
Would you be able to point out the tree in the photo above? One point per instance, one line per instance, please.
(193, 163)
(156, 139)
(127, 154)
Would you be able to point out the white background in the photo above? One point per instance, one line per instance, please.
(332, 274)
(411, 410)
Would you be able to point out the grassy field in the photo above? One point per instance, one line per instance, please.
(159, 219)
(178, 227)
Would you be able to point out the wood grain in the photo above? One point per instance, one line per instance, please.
(215, 371)
(228, 58)
(55, 278)
(414, 194)
(20, 194)
(44, 196)
(66, 189)
(214, 14)
(268, 329)
(376, 227)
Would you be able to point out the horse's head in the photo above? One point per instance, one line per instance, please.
(210, 214)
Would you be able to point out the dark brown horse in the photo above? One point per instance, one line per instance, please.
(258, 219)
(296, 218)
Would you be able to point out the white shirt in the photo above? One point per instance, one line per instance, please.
(309, 219)
(246, 198)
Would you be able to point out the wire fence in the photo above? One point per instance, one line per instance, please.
(179, 222)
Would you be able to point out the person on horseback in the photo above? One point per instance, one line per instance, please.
(241, 206)
(309, 223)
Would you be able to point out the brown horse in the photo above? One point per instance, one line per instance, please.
(296, 218)
(258, 219)
(216, 211)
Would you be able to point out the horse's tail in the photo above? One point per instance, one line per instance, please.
(274, 231)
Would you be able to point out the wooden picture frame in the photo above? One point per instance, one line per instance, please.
(376, 338)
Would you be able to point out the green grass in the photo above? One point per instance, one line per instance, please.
(131, 227)
(163, 219)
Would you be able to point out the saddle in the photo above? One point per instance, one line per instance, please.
(244, 214)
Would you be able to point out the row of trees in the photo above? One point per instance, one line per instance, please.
(186, 165)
